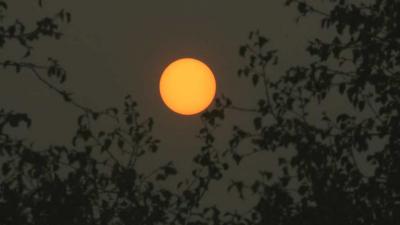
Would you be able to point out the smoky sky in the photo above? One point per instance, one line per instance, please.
(115, 48)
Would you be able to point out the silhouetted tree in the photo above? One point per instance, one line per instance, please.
(344, 165)
(94, 180)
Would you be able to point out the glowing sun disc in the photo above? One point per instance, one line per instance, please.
(187, 86)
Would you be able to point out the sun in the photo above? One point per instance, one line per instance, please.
(187, 86)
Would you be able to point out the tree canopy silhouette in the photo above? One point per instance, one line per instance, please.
(94, 180)
(345, 165)
(344, 168)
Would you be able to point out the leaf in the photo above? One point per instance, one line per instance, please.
(342, 87)
(242, 50)
(5, 169)
(251, 35)
(6, 63)
(11, 30)
(106, 145)
(262, 41)
(342, 117)
(302, 7)
(86, 134)
(257, 123)
(3, 5)
(228, 102)
(237, 158)
(15, 119)
(276, 60)
(17, 68)
(170, 170)
(161, 176)
(121, 144)
(150, 123)
(27, 53)
(68, 15)
(303, 189)
(255, 79)
(361, 105)
(153, 148)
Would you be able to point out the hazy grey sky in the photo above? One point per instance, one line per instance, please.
(115, 48)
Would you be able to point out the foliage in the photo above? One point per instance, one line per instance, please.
(95, 180)
(323, 182)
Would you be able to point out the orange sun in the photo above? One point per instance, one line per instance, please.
(187, 86)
